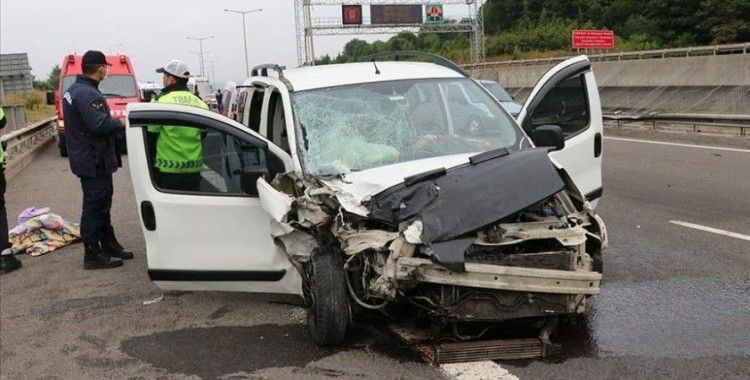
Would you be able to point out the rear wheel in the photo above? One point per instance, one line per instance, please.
(61, 145)
(328, 315)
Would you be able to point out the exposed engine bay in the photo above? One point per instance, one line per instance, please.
(503, 237)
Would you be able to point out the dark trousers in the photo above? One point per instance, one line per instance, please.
(4, 243)
(178, 181)
(96, 221)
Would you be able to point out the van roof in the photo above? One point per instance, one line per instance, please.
(71, 64)
(312, 77)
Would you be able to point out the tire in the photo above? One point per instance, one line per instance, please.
(61, 145)
(328, 316)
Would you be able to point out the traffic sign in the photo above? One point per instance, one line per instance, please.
(351, 14)
(433, 14)
(592, 39)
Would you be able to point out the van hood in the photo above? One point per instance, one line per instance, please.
(355, 188)
(450, 196)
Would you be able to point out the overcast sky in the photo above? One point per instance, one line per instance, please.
(152, 32)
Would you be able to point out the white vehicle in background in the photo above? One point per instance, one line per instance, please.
(150, 90)
(357, 187)
(229, 96)
(502, 96)
(203, 88)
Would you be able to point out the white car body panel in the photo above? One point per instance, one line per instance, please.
(207, 232)
(578, 155)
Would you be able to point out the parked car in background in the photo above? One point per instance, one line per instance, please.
(120, 88)
(150, 90)
(203, 88)
(505, 99)
(229, 93)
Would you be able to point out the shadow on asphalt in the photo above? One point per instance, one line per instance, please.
(209, 352)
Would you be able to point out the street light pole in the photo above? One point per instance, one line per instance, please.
(244, 34)
(200, 45)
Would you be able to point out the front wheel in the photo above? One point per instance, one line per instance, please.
(328, 315)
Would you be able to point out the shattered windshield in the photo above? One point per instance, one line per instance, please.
(357, 127)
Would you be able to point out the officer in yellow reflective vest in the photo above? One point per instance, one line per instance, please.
(8, 262)
(178, 159)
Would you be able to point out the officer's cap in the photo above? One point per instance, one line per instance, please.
(94, 57)
(175, 68)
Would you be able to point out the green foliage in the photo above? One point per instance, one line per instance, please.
(518, 27)
(54, 78)
(52, 81)
(32, 100)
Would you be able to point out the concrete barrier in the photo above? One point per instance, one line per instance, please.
(710, 83)
(24, 144)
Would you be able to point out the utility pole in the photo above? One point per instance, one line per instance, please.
(200, 45)
(199, 55)
(213, 72)
(244, 33)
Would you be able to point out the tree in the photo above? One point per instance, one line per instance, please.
(54, 78)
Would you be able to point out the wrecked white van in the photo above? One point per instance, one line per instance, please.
(369, 188)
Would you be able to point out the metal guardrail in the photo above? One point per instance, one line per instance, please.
(742, 48)
(23, 143)
(740, 122)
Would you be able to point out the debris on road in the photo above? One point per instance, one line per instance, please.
(153, 301)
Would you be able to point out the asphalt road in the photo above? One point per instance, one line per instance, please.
(675, 304)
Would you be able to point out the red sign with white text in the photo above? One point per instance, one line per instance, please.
(593, 39)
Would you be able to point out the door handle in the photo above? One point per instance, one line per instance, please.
(597, 144)
(148, 215)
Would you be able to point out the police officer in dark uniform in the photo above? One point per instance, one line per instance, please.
(91, 135)
(8, 262)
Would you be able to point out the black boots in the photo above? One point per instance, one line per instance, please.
(111, 247)
(8, 261)
(107, 255)
(94, 258)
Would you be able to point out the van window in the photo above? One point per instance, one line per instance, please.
(276, 124)
(118, 86)
(113, 86)
(565, 105)
(223, 158)
(256, 103)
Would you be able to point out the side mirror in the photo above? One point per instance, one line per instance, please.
(549, 136)
(249, 179)
(50, 98)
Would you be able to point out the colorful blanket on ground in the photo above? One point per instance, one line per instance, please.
(39, 231)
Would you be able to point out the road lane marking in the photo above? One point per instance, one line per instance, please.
(484, 370)
(711, 229)
(678, 144)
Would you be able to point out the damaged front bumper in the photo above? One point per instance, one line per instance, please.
(497, 277)
(520, 246)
